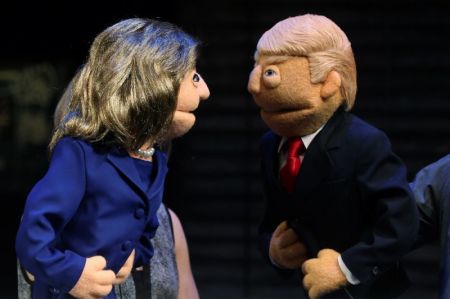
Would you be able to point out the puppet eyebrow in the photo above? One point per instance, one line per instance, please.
(275, 60)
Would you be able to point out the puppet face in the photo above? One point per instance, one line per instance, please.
(290, 104)
(193, 89)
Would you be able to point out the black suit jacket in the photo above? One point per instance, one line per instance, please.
(351, 195)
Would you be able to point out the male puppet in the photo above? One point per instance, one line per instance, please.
(349, 205)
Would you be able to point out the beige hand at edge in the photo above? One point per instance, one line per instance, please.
(323, 274)
(94, 282)
(285, 249)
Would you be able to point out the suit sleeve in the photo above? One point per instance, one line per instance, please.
(432, 194)
(382, 185)
(49, 207)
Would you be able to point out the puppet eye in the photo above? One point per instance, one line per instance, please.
(196, 78)
(271, 77)
(270, 73)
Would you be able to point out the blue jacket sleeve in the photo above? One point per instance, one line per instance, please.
(49, 207)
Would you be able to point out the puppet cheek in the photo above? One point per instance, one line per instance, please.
(181, 124)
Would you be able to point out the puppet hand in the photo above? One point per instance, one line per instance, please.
(323, 274)
(125, 271)
(94, 282)
(285, 250)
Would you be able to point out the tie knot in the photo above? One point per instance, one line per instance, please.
(295, 144)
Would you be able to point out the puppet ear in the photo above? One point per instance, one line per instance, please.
(331, 85)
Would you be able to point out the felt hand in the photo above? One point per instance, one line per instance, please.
(125, 271)
(323, 274)
(94, 282)
(285, 249)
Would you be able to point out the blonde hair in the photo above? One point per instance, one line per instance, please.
(322, 42)
(62, 106)
(126, 93)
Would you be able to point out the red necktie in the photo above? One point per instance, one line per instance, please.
(289, 171)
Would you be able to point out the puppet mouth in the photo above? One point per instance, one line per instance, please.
(286, 110)
(185, 114)
(283, 107)
(189, 109)
(283, 114)
(186, 111)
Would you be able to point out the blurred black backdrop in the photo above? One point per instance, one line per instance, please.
(402, 53)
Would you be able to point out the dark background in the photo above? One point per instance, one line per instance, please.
(402, 53)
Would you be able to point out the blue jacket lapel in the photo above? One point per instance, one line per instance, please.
(123, 163)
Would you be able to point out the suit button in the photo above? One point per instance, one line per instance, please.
(139, 213)
(375, 271)
(54, 291)
(126, 246)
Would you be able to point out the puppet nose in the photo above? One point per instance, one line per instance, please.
(203, 90)
(254, 85)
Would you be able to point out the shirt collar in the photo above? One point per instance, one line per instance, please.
(307, 139)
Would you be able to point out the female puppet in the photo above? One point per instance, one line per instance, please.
(94, 211)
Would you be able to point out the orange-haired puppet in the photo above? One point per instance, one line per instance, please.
(338, 203)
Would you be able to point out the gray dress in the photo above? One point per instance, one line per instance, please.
(160, 278)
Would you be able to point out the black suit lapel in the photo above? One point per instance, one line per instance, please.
(271, 155)
(317, 164)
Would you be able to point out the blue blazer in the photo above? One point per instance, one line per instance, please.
(90, 202)
(431, 188)
(351, 195)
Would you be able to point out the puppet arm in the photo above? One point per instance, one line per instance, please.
(430, 189)
(381, 179)
(49, 207)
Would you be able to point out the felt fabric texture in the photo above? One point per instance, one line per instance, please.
(294, 107)
(323, 274)
(351, 193)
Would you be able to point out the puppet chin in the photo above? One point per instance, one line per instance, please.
(292, 123)
(181, 124)
(300, 122)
